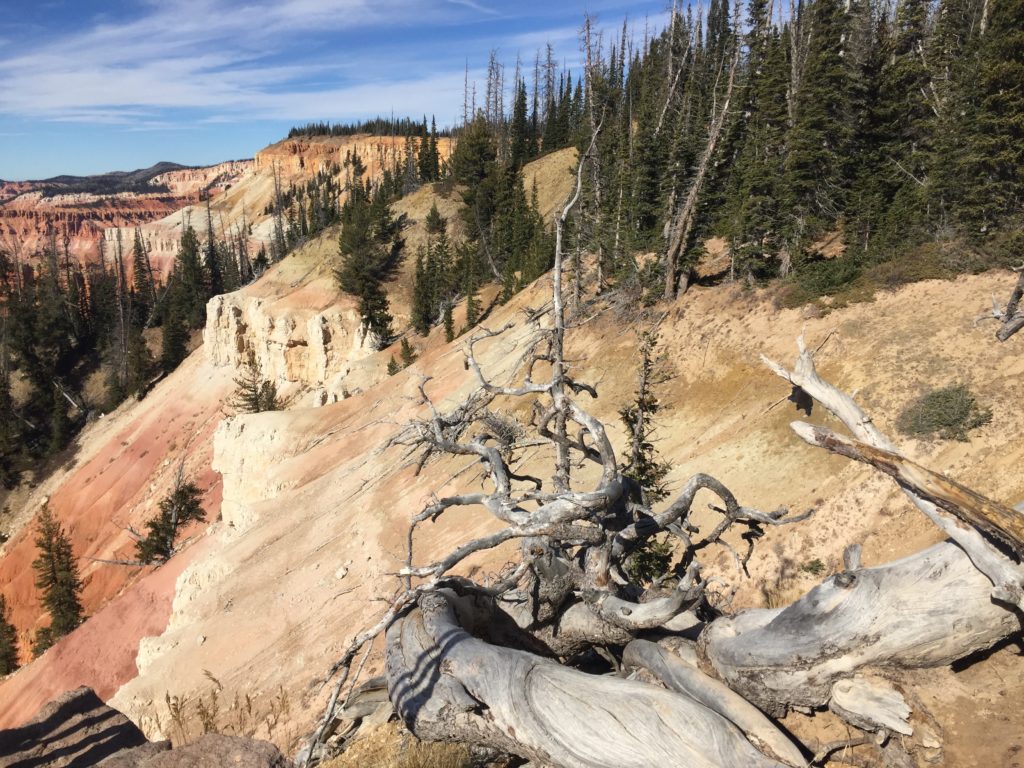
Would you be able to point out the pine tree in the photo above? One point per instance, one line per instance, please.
(371, 249)
(11, 437)
(644, 466)
(422, 314)
(175, 327)
(179, 508)
(995, 144)
(407, 353)
(519, 138)
(435, 223)
(140, 363)
(253, 393)
(57, 577)
(214, 281)
(142, 279)
(8, 641)
(190, 280)
(815, 171)
(448, 320)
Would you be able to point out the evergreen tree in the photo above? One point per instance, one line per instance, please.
(995, 126)
(11, 436)
(448, 320)
(8, 641)
(179, 508)
(815, 166)
(644, 466)
(214, 279)
(422, 297)
(253, 393)
(175, 327)
(142, 278)
(519, 138)
(435, 223)
(371, 249)
(190, 280)
(407, 353)
(57, 578)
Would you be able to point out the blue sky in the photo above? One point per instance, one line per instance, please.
(87, 86)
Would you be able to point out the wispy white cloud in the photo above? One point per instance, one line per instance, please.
(475, 6)
(230, 60)
(216, 61)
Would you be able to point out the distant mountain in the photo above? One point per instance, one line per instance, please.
(111, 183)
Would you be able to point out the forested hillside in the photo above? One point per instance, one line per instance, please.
(891, 125)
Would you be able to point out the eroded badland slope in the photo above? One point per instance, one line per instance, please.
(314, 507)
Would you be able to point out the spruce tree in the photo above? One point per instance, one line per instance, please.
(644, 466)
(519, 138)
(175, 327)
(253, 393)
(371, 249)
(11, 437)
(214, 281)
(57, 578)
(422, 297)
(191, 280)
(995, 144)
(180, 507)
(142, 280)
(8, 641)
(815, 165)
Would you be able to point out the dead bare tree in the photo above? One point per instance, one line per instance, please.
(1011, 316)
(497, 666)
(682, 217)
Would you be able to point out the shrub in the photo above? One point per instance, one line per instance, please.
(821, 278)
(950, 412)
(814, 567)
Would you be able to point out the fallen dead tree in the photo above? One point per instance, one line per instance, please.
(501, 666)
(1010, 317)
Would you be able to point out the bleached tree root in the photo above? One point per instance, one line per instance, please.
(926, 610)
(450, 686)
(678, 675)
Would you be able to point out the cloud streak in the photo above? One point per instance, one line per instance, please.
(232, 61)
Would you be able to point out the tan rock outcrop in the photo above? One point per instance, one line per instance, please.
(311, 349)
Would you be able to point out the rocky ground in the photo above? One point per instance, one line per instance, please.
(77, 730)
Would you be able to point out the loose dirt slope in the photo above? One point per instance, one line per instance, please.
(316, 507)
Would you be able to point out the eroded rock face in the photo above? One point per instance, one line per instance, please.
(31, 210)
(308, 347)
(77, 730)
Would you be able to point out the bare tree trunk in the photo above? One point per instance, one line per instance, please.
(682, 220)
(1013, 316)
(449, 686)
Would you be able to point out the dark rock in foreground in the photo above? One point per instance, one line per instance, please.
(77, 730)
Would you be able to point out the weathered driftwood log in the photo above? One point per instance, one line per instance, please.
(1012, 316)
(872, 705)
(925, 610)
(1006, 575)
(998, 521)
(448, 685)
(686, 678)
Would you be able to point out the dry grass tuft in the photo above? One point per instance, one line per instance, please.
(389, 746)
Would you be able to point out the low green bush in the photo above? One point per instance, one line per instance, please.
(950, 413)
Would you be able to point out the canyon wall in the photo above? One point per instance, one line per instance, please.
(32, 212)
